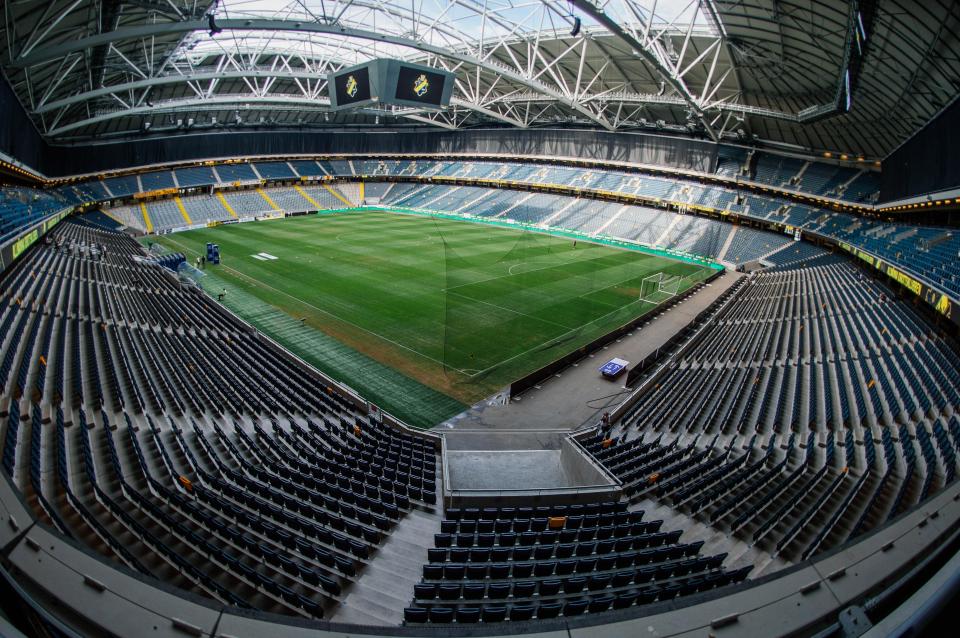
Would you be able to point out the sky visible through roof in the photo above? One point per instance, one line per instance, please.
(453, 24)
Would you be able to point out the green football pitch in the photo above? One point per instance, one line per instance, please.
(458, 309)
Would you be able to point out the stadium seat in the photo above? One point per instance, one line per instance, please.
(415, 615)
(493, 614)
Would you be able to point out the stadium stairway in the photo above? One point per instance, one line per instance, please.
(517, 563)
(383, 590)
(925, 252)
(98, 219)
(739, 552)
(823, 410)
(239, 482)
(722, 253)
(778, 249)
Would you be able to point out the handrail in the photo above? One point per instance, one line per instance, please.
(798, 599)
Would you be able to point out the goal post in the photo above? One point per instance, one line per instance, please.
(670, 285)
(659, 287)
(650, 286)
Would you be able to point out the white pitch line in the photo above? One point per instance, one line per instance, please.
(257, 282)
(516, 312)
(540, 345)
(510, 274)
(569, 331)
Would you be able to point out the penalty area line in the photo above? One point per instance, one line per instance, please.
(257, 282)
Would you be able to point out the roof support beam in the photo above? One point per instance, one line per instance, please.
(45, 54)
(35, 39)
(173, 79)
(226, 102)
(488, 112)
(670, 76)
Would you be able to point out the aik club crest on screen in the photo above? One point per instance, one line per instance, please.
(352, 86)
(421, 85)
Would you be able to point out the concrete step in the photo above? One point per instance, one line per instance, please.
(715, 540)
(388, 586)
(362, 608)
(385, 587)
(401, 554)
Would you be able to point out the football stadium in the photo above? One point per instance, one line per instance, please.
(441, 318)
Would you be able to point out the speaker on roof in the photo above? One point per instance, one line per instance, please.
(576, 27)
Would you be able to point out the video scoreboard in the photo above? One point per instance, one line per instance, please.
(390, 82)
(418, 86)
(351, 87)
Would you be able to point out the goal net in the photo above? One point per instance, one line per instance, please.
(659, 287)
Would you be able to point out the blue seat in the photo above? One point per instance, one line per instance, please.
(468, 615)
(624, 600)
(521, 612)
(543, 552)
(441, 615)
(522, 553)
(600, 604)
(606, 563)
(449, 592)
(575, 608)
(496, 591)
(309, 574)
(494, 614)
(479, 555)
(691, 586)
(548, 610)
(453, 571)
(626, 559)
(476, 572)
(565, 550)
(522, 570)
(599, 581)
(524, 589)
(499, 571)
(500, 554)
(549, 587)
(474, 591)
(414, 615)
(586, 565)
(424, 591)
(622, 578)
(544, 569)
(574, 585)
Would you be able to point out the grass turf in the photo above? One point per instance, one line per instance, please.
(459, 307)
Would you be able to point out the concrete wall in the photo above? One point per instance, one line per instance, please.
(579, 468)
(571, 476)
(798, 600)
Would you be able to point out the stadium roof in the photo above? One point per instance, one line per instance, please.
(764, 71)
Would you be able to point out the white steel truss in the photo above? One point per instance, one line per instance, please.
(722, 69)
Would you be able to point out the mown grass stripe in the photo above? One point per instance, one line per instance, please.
(460, 307)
